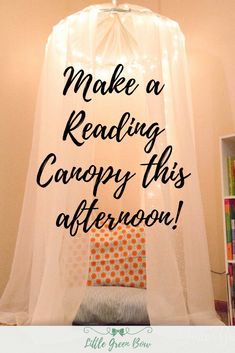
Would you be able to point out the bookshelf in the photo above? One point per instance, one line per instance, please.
(227, 149)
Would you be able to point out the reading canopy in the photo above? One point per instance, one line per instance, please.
(112, 142)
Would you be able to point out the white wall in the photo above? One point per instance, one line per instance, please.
(25, 25)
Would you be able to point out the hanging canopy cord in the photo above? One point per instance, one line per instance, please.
(218, 273)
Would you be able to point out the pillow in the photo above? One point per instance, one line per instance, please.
(113, 305)
(117, 257)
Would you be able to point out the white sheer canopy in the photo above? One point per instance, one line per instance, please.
(43, 287)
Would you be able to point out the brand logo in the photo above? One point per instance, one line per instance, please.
(114, 338)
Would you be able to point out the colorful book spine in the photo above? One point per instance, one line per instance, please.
(233, 298)
(231, 174)
(230, 269)
(228, 230)
(233, 237)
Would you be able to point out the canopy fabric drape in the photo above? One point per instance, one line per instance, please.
(49, 271)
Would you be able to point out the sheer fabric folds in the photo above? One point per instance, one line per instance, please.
(49, 271)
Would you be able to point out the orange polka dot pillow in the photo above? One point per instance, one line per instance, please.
(117, 257)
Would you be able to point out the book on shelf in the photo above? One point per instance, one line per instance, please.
(231, 271)
(233, 237)
(229, 216)
(231, 174)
